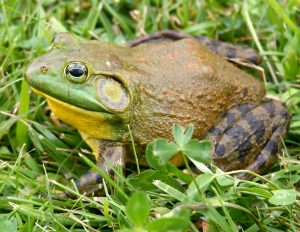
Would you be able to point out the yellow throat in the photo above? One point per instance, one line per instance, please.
(93, 124)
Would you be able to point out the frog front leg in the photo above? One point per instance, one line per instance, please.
(248, 135)
(109, 155)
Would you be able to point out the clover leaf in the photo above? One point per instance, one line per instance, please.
(161, 150)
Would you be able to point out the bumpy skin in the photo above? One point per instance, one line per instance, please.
(164, 83)
(223, 49)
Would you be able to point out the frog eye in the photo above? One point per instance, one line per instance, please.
(112, 94)
(76, 72)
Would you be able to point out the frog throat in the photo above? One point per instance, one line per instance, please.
(93, 124)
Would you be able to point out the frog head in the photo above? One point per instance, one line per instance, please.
(83, 84)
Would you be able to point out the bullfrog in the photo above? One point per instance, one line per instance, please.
(103, 89)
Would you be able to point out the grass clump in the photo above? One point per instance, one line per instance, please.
(38, 158)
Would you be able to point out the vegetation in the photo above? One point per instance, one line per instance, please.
(40, 158)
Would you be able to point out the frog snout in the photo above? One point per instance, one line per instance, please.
(36, 68)
(29, 72)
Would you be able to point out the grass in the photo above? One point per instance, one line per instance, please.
(38, 158)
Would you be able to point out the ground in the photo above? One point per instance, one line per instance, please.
(39, 157)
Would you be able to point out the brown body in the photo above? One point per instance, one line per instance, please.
(101, 89)
(187, 84)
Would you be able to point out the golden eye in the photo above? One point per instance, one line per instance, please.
(112, 94)
(76, 72)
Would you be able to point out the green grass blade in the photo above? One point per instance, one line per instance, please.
(22, 130)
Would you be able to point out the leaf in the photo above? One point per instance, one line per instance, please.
(200, 166)
(138, 208)
(57, 25)
(164, 150)
(180, 137)
(168, 224)
(170, 190)
(22, 130)
(198, 150)
(255, 191)
(152, 160)
(6, 125)
(179, 174)
(213, 215)
(283, 197)
(224, 180)
(8, 224)
(202, 182)
(144, 181)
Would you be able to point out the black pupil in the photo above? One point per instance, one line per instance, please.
(76, 72)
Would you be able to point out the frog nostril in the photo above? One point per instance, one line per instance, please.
(44, 69)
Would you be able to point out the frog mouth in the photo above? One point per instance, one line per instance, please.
(67, 106)
(95, 124)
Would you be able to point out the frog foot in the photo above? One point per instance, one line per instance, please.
(248, 135)
(112, 157)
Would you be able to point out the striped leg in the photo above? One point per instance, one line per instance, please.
(248, 135)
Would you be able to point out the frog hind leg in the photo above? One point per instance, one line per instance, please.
(248, 135)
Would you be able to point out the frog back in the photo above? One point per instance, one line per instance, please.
(183, 82)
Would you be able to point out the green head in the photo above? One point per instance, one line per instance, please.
(81, 81)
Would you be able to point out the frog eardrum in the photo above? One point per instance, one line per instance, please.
(112, 94)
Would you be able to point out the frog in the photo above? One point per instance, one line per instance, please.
(115, 94)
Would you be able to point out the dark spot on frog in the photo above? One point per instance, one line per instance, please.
(216, 44)
(220, 150)
(230, 118)
(90, 175)
(212, 45)
(98, 178)
(235, 132)
(231, 52)
(244, 176)
(260, 132)
(245, 92)
(241, 140)
(254, 59)
(244, 108)
(257, 126)
(243, 150)
(216, 131)
(270, 108)
(272, 147)
(283, 114)
(261, 160)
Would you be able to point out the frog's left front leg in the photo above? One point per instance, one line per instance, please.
(248, 135)
(110, 155)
